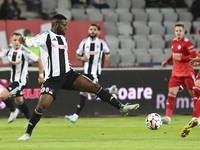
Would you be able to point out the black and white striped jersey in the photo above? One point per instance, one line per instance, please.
(94, 51)
(54, 51)
(18, 72)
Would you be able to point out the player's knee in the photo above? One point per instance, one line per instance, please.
(96, 87)
(41, 108)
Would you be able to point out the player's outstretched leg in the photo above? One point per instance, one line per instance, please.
(107, 97)
(128, 107)
(186, 130)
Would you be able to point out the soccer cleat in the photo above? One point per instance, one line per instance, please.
(113, 90)
(186, 130)
(26, 126)
(2, 105)
(13, 115)
(166, 120)
(129, 107)
(25, 137)
(72, 118)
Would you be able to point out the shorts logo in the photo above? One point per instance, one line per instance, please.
(43, 89)
(47, 90)
(21, 93)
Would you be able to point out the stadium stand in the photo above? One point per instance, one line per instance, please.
(128, 24)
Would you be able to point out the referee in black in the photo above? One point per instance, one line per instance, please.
(59, 74)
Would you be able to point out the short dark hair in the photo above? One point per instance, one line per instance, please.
(99, 27)
(179, 24)
(27, 32)
(93, 24)
(58, 17)
(16, 33)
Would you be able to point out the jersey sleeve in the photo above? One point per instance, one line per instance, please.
(29, 54)
(105, 47)
(4, 52)
(38, 40)
(191, 50)
(80, 48)
(170, 59)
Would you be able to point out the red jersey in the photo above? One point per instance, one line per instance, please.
(186, 50)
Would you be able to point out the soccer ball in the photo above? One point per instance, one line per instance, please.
(153, 121)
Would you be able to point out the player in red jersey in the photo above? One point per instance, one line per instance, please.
(182, 72)
(196, 112)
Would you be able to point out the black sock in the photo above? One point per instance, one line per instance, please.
(80, 106)
(9, 103)
(107, 97)
(35, 118)
(24, 109)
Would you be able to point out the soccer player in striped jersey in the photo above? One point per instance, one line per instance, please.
(18, 56)
(60, 75)
(91, 51)
(183, 72)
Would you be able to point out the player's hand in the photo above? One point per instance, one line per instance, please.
(40, 80)
(84, 58)
(195, 61)
(177, 57)
(15, 63)
(22, 40)
(164, 63)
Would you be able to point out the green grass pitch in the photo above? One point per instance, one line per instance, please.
(109, 133)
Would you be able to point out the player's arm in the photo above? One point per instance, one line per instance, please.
(3, 52)
(165, 63)
(191, 50)
(40, 67)
(81, 58)
(80, 55)
(30, 55)
(38, 40)
(107, 55)
(106, 50)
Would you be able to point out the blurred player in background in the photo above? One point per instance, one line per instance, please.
(60, 75)
(36, 50)
(183, 72)
(90, 51)
(18, 56)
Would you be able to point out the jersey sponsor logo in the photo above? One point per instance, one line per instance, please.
(180, 54)
(179, 47)
(59, 46)
(92, 53)
(191, 47)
